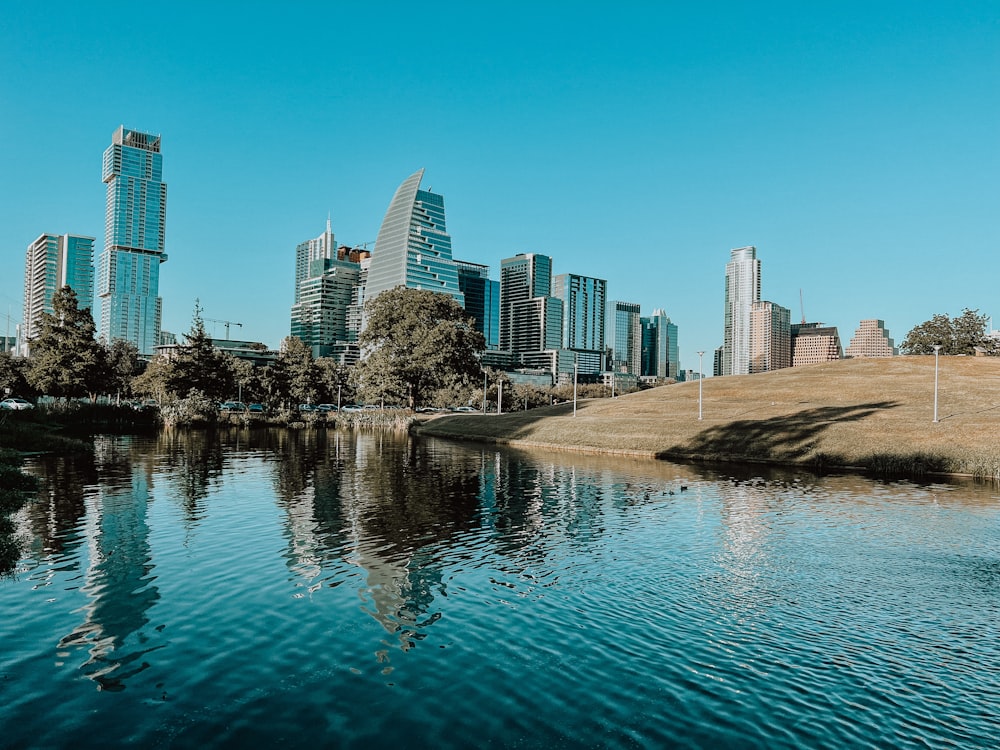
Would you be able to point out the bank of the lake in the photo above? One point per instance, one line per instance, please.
(869, 414)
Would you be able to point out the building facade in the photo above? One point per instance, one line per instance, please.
(742, 290)
(51, 262)
(413, 247)
(584, 303)
(128, 271)
(624, 329)
(659, 347)
(871, 340)
(770, 337)
(813, 343)
(523, 277)
(482, 299)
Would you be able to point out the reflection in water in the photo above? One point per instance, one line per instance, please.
(239, 584)
(118, 581)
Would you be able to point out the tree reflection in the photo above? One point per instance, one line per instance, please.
(194, 460)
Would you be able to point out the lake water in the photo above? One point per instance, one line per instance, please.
(366, 590)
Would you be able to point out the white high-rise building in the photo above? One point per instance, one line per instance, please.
(742, 290)
(51, 262)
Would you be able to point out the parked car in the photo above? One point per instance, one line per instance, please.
(352, 407)
(256, 408)
(307, 407)
(326, 407)
(232, 406)
(16, 404)
(465, 409)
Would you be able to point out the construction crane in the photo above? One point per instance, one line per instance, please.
(226, 323)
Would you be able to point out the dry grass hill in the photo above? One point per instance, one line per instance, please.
(870, 414)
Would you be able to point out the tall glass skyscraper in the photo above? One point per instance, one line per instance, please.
(624, 331)
(128, 271)
(742, 290)
(413, 248)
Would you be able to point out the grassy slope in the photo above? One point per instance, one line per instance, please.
(871, 413)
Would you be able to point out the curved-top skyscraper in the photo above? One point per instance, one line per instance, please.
(413, 248)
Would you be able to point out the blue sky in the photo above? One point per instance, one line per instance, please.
(857, 145)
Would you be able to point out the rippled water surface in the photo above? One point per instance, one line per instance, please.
(365, 591)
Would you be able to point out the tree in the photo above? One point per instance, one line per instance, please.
(154, 382)
(296, 360)
(333, 381)
(200, 366)
(66, 360)
(14, 376)
(416, 341)
(122, 366)
(959, 335)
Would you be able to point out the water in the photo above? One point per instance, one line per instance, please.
(366, 591)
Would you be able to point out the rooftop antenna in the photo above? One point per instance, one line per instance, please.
(802, 307)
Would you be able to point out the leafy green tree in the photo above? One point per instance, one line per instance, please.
(66, 360)
(333, 381)
(122, 366)
(959, 335)
(14, 376)
(247, 379)
(154, 381)
(415, 342)
(297, 361)
(199, 366)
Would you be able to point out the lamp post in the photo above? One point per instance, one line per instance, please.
(574, 385)
(701, 376)
(937, 350)
(484, 391)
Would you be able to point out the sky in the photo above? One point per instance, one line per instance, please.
(855, 144)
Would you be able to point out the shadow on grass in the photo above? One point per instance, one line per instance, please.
(784, 439)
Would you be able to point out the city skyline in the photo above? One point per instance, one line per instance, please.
(853, 146)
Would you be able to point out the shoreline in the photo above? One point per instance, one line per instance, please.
(871, 416)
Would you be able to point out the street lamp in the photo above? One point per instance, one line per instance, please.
(574, 385)
(701, 376)
(484, 391)
(937, 350)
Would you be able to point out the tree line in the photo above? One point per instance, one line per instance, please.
(420, 349)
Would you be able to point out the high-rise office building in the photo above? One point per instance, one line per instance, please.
(328, 292)
(624, 331)
(311, 257)
(872, 339)
(523, 277)
(413, 247)
(742, 290)
(128, 271)
(51, 262)
(659, 346)
(482, 299)
(770, 337)
(584, 302)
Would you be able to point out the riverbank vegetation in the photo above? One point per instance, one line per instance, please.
(874, 415)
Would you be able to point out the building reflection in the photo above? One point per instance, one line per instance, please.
(118, 580)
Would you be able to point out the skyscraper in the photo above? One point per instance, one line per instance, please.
(742, 290)
(659, 346)
(482, 299)
(52, 262)
(525, 276)
(624, 337)
(770, 337)
(128, 271)
(413, 248)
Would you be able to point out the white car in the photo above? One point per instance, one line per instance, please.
(16, 403)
